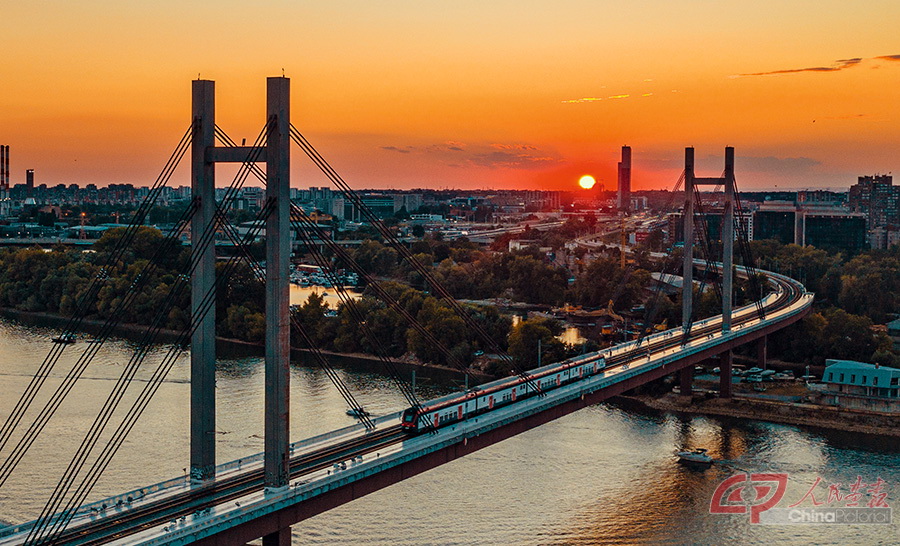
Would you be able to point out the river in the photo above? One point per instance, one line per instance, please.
(604, 475)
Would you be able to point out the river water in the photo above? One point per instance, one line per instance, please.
(604, 475)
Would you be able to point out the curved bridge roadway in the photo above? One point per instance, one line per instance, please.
(338, 467)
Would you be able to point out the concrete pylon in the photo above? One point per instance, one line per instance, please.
(728, 242)
(203, 339)
(687, 274)
(278, 253)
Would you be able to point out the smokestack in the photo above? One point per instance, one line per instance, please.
(625, 180)
(29, 183)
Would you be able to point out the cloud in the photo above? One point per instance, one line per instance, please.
(406, 150)
(495, 155)
(837, 66)
(585, 99)
(847, 116)
(514, 147)
(597, 99)
(510, 160)
(777, 165)
(711, 164)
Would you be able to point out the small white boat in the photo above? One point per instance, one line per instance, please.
(65, 338)
(697, 457)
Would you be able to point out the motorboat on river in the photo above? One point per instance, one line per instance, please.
(695, 457)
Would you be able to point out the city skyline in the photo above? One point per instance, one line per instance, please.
(404, 95)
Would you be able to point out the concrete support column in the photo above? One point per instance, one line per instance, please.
(278, 252)
(203, 340)
(761, 352)
(728, 241)
(279, 538)
(686, 380)
(725, 377)
(687, 288)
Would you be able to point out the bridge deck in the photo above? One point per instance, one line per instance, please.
(316, 485)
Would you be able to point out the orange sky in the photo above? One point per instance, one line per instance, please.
(472, 94)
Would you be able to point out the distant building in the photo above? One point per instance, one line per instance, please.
(624, 177)
(811, 224)
(893, 331)
(877, 198)
(713, 220)
(859, 385)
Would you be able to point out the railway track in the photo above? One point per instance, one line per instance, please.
(221, 491)
(227, 489)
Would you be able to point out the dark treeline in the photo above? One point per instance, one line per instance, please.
(853, 293)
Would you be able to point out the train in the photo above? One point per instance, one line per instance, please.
(459, 406)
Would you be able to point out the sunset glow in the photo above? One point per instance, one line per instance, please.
(468, 94)
(587, 181)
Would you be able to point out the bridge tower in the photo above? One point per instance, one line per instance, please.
(691, 183)
(276, 155)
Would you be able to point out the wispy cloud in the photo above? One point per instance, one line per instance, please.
(405, 150)
(511, 160)
(837, 66)
(847, 116)
(611, 97)
(585, 99)
(494, 156)
(785, 166)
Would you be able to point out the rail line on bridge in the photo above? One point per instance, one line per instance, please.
(238, 504)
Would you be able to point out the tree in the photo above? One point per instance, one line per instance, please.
(443, 324)
(524, 340)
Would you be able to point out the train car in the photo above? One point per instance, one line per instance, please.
(458, 406)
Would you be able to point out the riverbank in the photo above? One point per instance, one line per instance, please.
(237, 348)
(791, 413)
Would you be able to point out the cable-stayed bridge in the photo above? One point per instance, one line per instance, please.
(262, 496)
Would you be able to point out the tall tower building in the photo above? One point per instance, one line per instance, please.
(29, 183)
(4, 181)
(624, 201)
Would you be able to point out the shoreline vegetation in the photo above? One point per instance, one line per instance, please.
(743, 406)
(853, 294)
(231, 347)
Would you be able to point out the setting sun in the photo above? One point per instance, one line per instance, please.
(587, 181)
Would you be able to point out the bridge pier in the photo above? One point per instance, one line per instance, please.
(761, 352)
(282, 537)
(725, 376)
(686, 380)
